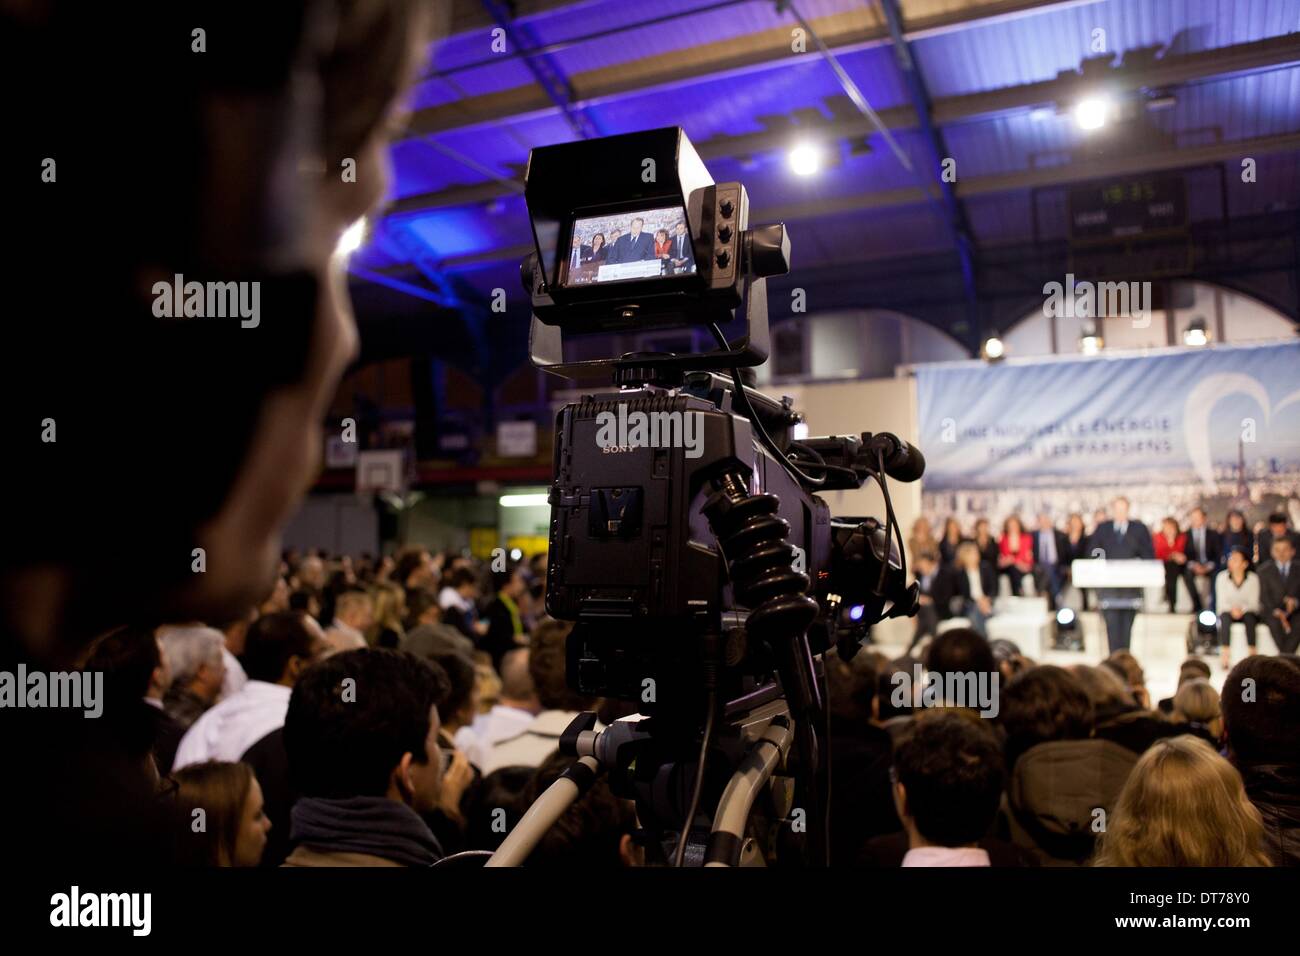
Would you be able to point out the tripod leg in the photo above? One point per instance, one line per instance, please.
(742, 790)
(548, 808)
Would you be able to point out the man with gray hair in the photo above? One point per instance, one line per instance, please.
(194, 657)
(509, 717)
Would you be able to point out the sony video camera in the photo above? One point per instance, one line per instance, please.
(704, 575)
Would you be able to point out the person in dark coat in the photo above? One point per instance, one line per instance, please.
(1261, 711)
(1121, 539)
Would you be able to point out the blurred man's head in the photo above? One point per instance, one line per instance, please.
(546, 665)
(1277, 523)
(355, 608)
(194, 659)
(1119, 510)
(1045, 521)
(365, 723)
(260, 128)
(1261, 711)
(948, 779)
(1197, 518)
(281, 646)
(1283, 550)
(517, 681)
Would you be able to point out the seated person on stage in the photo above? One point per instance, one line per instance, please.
(988, 545)
(681, 257)
(1051, 559)
(1236, 592)
(1237, 534)
(597, 251)
(1015, 552)
(952, 537)
(928, 576)
(580, 253)
(1204, 555)
(1076, 547)
(971, 586)
(1171, 548)
(1279, 595)
(663, 248)
(1277, 527)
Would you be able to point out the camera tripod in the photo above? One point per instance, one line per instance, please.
(638, 755)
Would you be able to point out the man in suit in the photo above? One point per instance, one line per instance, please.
(1279, 595)
(681, 257)
(1120, 539)
(1051, 559)
(1277, 528)
(1204, 552)
(579, 254)
(636, 246)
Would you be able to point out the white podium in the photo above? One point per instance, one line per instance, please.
(1101, 573)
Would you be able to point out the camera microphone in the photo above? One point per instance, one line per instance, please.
(903, 462)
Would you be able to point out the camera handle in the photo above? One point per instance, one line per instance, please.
(599, 751)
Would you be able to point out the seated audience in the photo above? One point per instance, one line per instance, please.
(1171, 548)
(928, 578)
(861, 751)
(1236, 592)
(135, 678)
(1060, 778)
(510, 715)
(457, 602)
(1196, 710)
(541, 737)
(361, 737)
(505, 625)
(1190, 669)
(596, 832)
(952, 537)
(386, 630)
(1117, 714)
(221, 819)
(1127, 668)
(1261, 711)
(947, 785)
(197, 667)
(354, 611)
(1183, 805)
(971, 586)
(1051, 559)
(1015, 553)
(988, 545)
(280, 647)
(1277, 527)
(1237, 536)
(922, 540)
(1204, 556)
(1279, 595)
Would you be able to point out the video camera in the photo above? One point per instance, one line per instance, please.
(704, 575)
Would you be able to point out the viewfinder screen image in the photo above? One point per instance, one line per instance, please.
(645, 244)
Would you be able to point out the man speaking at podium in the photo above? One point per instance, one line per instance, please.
(1120, 539)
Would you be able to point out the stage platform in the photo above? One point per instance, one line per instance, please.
(1159, 644)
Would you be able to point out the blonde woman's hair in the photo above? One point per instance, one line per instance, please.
(1197, 702)
(1183, 805)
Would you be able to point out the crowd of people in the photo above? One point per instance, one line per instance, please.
(394, 711)
(1244, 576)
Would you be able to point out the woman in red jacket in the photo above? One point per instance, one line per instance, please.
(1171, 548)
(1015, 552)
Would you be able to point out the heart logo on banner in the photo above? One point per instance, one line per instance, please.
(1200, 403)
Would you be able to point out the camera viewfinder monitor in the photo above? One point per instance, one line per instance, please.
(612, 247)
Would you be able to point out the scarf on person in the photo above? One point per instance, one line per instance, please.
(515, 620)
(373, 825)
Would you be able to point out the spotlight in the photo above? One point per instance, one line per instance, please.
(1090, 340)
(1091, 112)
(1203, 634)
(353, 238)
(1196, 333)
(805, 159)
(993, 348)
(855, 612)
(1068, 637)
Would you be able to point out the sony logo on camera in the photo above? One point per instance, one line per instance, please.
(625, 431)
